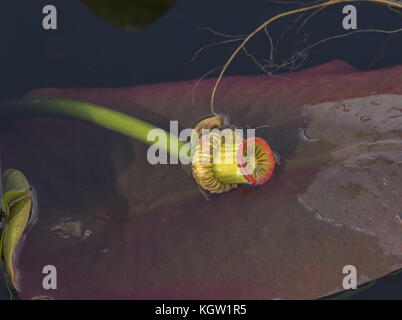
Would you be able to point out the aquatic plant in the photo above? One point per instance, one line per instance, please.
(228, 162)
(244, 167)
(247, 166)
(227, 176)
(16, 205)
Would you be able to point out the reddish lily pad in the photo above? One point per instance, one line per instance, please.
(117, 227)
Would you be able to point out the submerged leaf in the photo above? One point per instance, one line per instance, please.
(130, 14)
(16, 207)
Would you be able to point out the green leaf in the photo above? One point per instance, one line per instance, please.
(16, 206)
(130, 14)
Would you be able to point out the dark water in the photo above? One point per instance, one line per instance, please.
(86, 51)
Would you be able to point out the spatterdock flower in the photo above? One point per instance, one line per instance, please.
(223, 159)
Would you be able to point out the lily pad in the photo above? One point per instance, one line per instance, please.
(130, 14)
(116, 226)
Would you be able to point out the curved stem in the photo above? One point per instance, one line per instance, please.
(91, 113)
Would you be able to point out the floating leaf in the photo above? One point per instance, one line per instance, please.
(130, 14)
(15, 208)
(237, 245)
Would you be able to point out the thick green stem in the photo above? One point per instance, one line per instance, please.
(91, 113)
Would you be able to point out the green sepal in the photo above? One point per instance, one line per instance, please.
(16, 207)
